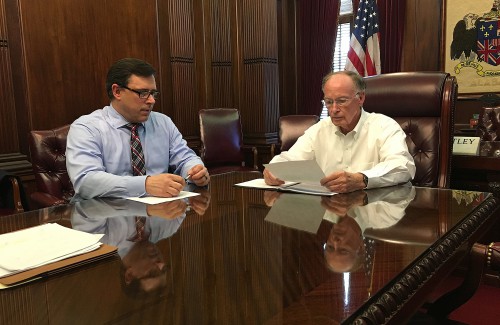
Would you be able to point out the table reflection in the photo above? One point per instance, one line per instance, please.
(350, 215)
(143, 266)
(345, 217)
(221, 259)
(135, 228)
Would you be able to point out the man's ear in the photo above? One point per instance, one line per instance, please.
(116, 90)
(361, 96)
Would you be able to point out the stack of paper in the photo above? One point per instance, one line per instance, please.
(34, 247)
(299, 176)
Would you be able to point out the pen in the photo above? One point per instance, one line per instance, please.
(186, 179)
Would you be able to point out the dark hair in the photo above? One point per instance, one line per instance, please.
(120, 72)
(359, 82)
(134, 290)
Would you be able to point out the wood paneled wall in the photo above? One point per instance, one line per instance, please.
(210, 53)
(54, 55)
(422, 36)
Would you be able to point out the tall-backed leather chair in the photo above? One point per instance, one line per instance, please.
(222, 148)
(291, 127)
(423, 103)
(11, 194)
(48, 158)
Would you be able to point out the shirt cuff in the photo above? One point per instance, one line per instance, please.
(136, 185)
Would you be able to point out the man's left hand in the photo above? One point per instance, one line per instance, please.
(343, 182)
(199, 175)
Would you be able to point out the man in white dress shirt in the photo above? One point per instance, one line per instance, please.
(354, 148)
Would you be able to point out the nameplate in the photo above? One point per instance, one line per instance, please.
(466, 145)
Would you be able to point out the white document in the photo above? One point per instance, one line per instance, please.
(298, 211)
(296, 187)
(303, 171)
(157, 200)
(260, 183)
(32, 247)
(300, 176)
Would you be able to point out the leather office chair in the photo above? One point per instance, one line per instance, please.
(482, 258)
(423, 103)
(48, 158)
(222, 148)
(291, 127)
(11, 198)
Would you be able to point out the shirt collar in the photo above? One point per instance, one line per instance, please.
(361, 122)
(357, 128)
(116, 119)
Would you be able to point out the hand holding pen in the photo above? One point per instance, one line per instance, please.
(170, 185)
(164, 185)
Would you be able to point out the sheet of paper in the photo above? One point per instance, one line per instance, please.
(32, 247)
(157, 200)
(297, 171)
(5, 272)
(304, 188)
(307, 188)
(298, 211)
(260, 183)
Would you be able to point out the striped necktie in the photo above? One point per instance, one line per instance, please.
(140, 230)
(138, 161)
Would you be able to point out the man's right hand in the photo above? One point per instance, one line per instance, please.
(164, 185)
(270, 179)
(167, 210)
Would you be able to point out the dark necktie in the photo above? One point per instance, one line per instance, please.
(138, 161)
(140, 230)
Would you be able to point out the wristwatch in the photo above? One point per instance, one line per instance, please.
(365, 180)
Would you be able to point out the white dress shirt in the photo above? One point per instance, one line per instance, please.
(385, 207)
(376, 147)
(98, 153)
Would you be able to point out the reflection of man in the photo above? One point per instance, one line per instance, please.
(135, 228)
(347, 216)
(352, 213)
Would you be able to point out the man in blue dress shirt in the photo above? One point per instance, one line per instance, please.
(98, 153)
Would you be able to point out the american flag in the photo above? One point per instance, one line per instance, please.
(364, 48)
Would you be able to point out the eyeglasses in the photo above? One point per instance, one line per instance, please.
(144, 94)
(341, 102)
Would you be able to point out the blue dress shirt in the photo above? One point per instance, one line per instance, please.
(98, 155)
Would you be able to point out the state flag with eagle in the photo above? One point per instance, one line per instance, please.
(477, 37)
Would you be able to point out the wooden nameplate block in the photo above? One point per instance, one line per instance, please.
(102, 252)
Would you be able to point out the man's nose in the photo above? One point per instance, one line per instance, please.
(333, 109)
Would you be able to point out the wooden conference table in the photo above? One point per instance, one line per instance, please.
(227, 257)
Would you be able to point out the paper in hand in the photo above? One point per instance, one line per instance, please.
(297, 171)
